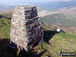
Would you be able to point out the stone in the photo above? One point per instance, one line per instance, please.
(26, 29)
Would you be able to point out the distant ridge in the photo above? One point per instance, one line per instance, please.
(44, 5)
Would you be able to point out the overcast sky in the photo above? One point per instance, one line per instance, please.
(20, 1)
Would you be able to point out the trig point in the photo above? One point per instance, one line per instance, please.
(26, 29)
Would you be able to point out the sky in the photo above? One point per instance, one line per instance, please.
(20, 1)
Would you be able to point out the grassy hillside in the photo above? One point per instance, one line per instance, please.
(63, 17)
(4, 27)
(59, 19)
(53, 44)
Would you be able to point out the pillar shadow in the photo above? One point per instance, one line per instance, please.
(48, 35)
(7, 51)
(32, 54)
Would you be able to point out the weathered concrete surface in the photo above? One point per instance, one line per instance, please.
(26, 29)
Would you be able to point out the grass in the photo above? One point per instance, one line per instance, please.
(59, 19)
(64, 42)
(4, 28)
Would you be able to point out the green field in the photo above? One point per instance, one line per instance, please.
(4, 28)
(53, 44)
(58, 42)
(60, 19)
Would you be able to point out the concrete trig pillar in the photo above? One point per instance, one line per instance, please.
(26, 30)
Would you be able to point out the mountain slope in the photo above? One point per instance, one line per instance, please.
(62, 17)
(51, 6)
(53, 44)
